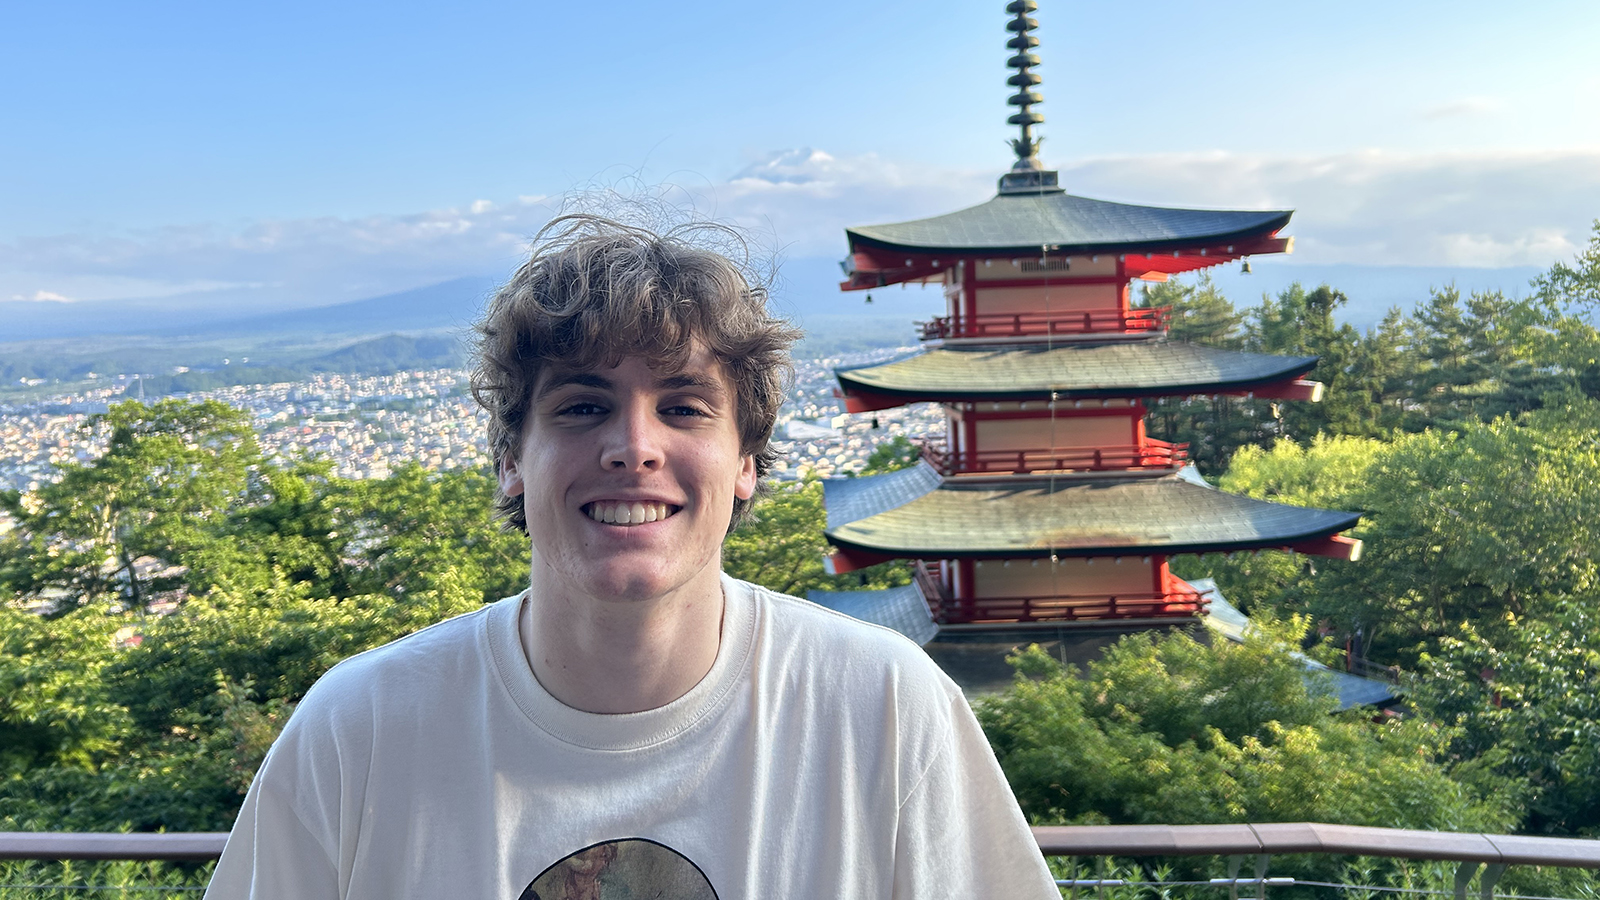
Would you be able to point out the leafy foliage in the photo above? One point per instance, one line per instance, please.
(783, 547)
(112, 717)
(1523, 705)
(1169, 730)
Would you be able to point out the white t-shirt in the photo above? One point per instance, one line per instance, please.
(820, 757)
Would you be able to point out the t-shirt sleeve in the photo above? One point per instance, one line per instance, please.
(960, 831)
(271, 855)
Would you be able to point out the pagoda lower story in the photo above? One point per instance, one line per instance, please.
(1064, 547)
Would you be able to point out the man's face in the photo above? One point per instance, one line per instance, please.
(628, 477)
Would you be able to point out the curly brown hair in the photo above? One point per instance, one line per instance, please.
(595, 291)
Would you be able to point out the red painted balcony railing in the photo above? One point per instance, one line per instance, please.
(1041, 324)
(1069, 607)
(1153, 454)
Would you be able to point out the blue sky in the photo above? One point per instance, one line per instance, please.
(295, 153)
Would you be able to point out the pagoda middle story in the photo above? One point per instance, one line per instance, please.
(1047, 504)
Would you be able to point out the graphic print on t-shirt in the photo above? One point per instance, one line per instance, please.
(627, 869)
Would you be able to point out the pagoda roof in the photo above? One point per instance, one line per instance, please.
(901, 608)
(1037, 517)
(1025, 222)
(1071, 371)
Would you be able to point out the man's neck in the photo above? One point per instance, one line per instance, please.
(608, 656)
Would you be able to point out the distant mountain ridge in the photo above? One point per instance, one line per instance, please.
(448, 304)
(807, 292)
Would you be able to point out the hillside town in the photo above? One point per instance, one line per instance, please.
(370, 425)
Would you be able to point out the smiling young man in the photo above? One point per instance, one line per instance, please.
(635, 723)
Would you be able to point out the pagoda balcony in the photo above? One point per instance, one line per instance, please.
(1180, 602)
(1107, 321)
(1152, 455)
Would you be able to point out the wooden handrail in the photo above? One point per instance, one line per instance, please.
(1314, 837)
(1152, 454)
(1061, 322)
(1054, 840)
(196, 846)
(1070, 607)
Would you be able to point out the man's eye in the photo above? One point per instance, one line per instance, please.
(682, 410)
(581, 409)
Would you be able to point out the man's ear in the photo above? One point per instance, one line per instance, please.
(510, 475)
(744, 487)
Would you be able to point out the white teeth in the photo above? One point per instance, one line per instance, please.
(636, 513)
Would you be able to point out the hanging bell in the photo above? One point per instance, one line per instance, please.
(869, 296)
(1244, 269)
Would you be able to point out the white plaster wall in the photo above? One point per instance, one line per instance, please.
(1074, 431)
(1054, 298)
(1065, 577)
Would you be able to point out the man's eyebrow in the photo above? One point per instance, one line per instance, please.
(584, 379)
(690, 380)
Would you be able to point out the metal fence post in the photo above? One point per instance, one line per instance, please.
(1486, 881)
(1464, 873)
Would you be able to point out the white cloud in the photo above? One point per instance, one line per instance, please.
(805, 198)
(1464, 107)
(1439, 209)
(1464, 209)
(277, 262)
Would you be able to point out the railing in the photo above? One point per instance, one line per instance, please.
(1366, 668)
(190, 847)
(1153, 454)
(933, 589)
(1492, 853)
(1174, 604)
(1043, 324)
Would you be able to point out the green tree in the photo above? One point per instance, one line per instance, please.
(1197, 313)
(1169, 730)
(430, 541)
(1323, 473)
(170, 471)
(892, 455)
(53, 706)
(1574, 288)
(1522, 705)
(1458, 525)
(783, 547)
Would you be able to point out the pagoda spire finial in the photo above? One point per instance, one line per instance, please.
(1027, 175)
(1025, 79)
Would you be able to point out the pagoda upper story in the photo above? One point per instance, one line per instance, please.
(1036, 235)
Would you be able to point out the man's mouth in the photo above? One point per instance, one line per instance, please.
(626, 513)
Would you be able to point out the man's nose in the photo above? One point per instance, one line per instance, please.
(632, 443)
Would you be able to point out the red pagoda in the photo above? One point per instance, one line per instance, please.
(1047, 502)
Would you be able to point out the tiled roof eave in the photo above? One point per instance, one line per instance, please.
(1038, 516)
(1138, 245)
(1069, 393)
(1139, 369)
(1172, 549)
(1064, 222)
